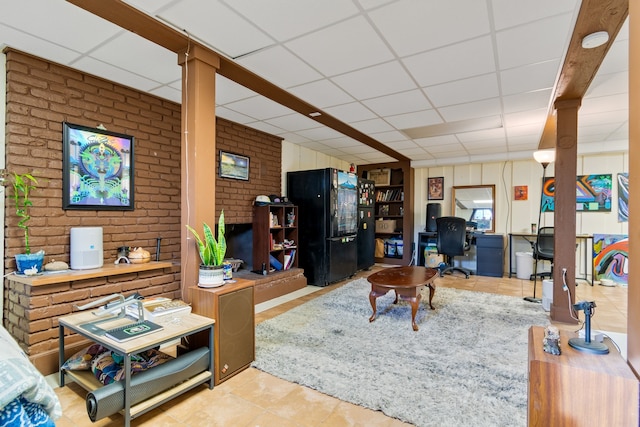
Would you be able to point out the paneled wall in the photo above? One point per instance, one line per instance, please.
(516, 216)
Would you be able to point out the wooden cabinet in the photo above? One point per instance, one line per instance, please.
(577, 388)
(275, 238)
(232, 307)
(394, 205)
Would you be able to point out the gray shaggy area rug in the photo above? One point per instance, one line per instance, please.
(466, 366)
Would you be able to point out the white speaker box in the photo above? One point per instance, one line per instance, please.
(86, 248)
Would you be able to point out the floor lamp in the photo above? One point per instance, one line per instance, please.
(544, 157)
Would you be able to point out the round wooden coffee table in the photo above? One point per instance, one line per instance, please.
(407, 282)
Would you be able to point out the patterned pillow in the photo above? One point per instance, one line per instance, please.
(81, 361)
(108, 366)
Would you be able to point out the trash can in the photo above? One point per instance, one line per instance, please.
(524, 265)
(547, 294)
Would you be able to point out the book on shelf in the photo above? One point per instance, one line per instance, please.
(155, 307)
(289, 258)
(131, 331)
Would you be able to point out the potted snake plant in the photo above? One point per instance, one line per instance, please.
(212, 253)
(23, 184)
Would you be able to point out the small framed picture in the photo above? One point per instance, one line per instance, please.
(234, 166)
(97, 169)
(520, 192)
(435, 188)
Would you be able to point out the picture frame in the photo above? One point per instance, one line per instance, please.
(97, 169)
(520, 192)
(234, 166)
(380, 177)
(435, 188)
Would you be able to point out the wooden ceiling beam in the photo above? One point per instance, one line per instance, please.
(581, 65)
(132, 19)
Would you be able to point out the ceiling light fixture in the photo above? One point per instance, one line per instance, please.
(450, 128)
(315, 114)
(594, 40)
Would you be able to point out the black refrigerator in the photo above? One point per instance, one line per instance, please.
(327, 201)
(366, 227)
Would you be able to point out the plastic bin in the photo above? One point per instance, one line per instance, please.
(524, 265)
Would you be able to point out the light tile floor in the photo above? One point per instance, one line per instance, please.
(253, 398)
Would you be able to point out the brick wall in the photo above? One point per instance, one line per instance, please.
(264, 152)
(41, 96)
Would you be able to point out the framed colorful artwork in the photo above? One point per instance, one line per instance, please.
(520, 192)
(435, 188)
(97, 169)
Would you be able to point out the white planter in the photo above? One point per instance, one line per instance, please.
(210, 276)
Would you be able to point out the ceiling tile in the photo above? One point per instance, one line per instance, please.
(604, 103)
(343, 47)
(526, 117)
(259, 108)
(529, 77)
(471, 110)
(399, 103)
(229, 91)
(138, 55)
(352, 112)
(322, 93)
(217, 25)
(279, 66)
(376, 81)
(535, 42)
(458, 61)
(414, 120)
(294, 122)
(526, 101)
(80, 30)
(372, 126)
(467, 90)
(389, 136)
(509, 13)
(412, 26)
(233, 116)
(609, 84)
(275, 16)
(320, 134)
(482, 135)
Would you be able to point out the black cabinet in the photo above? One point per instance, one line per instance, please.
(490, 255)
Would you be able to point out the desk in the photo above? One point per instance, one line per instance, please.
(532, 238)
(188, 324)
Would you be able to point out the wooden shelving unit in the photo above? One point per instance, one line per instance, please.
(275, 234)
(393, 202)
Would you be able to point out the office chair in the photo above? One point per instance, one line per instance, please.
(542, 251)
(452, 241)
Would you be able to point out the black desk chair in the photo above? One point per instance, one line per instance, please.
(452, 242)
(542, 251)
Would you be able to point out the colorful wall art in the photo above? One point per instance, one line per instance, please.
(611, 257)
(623, 197)
(593, 193)
(97, 169)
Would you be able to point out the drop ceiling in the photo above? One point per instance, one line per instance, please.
(439, 82)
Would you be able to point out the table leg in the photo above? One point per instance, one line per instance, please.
(415, 303)
(432, 291)
(372, 299)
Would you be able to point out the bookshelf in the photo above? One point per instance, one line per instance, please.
(394, 206)
(275, 237)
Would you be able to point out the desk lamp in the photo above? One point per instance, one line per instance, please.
(585, 344)
(544, 157)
